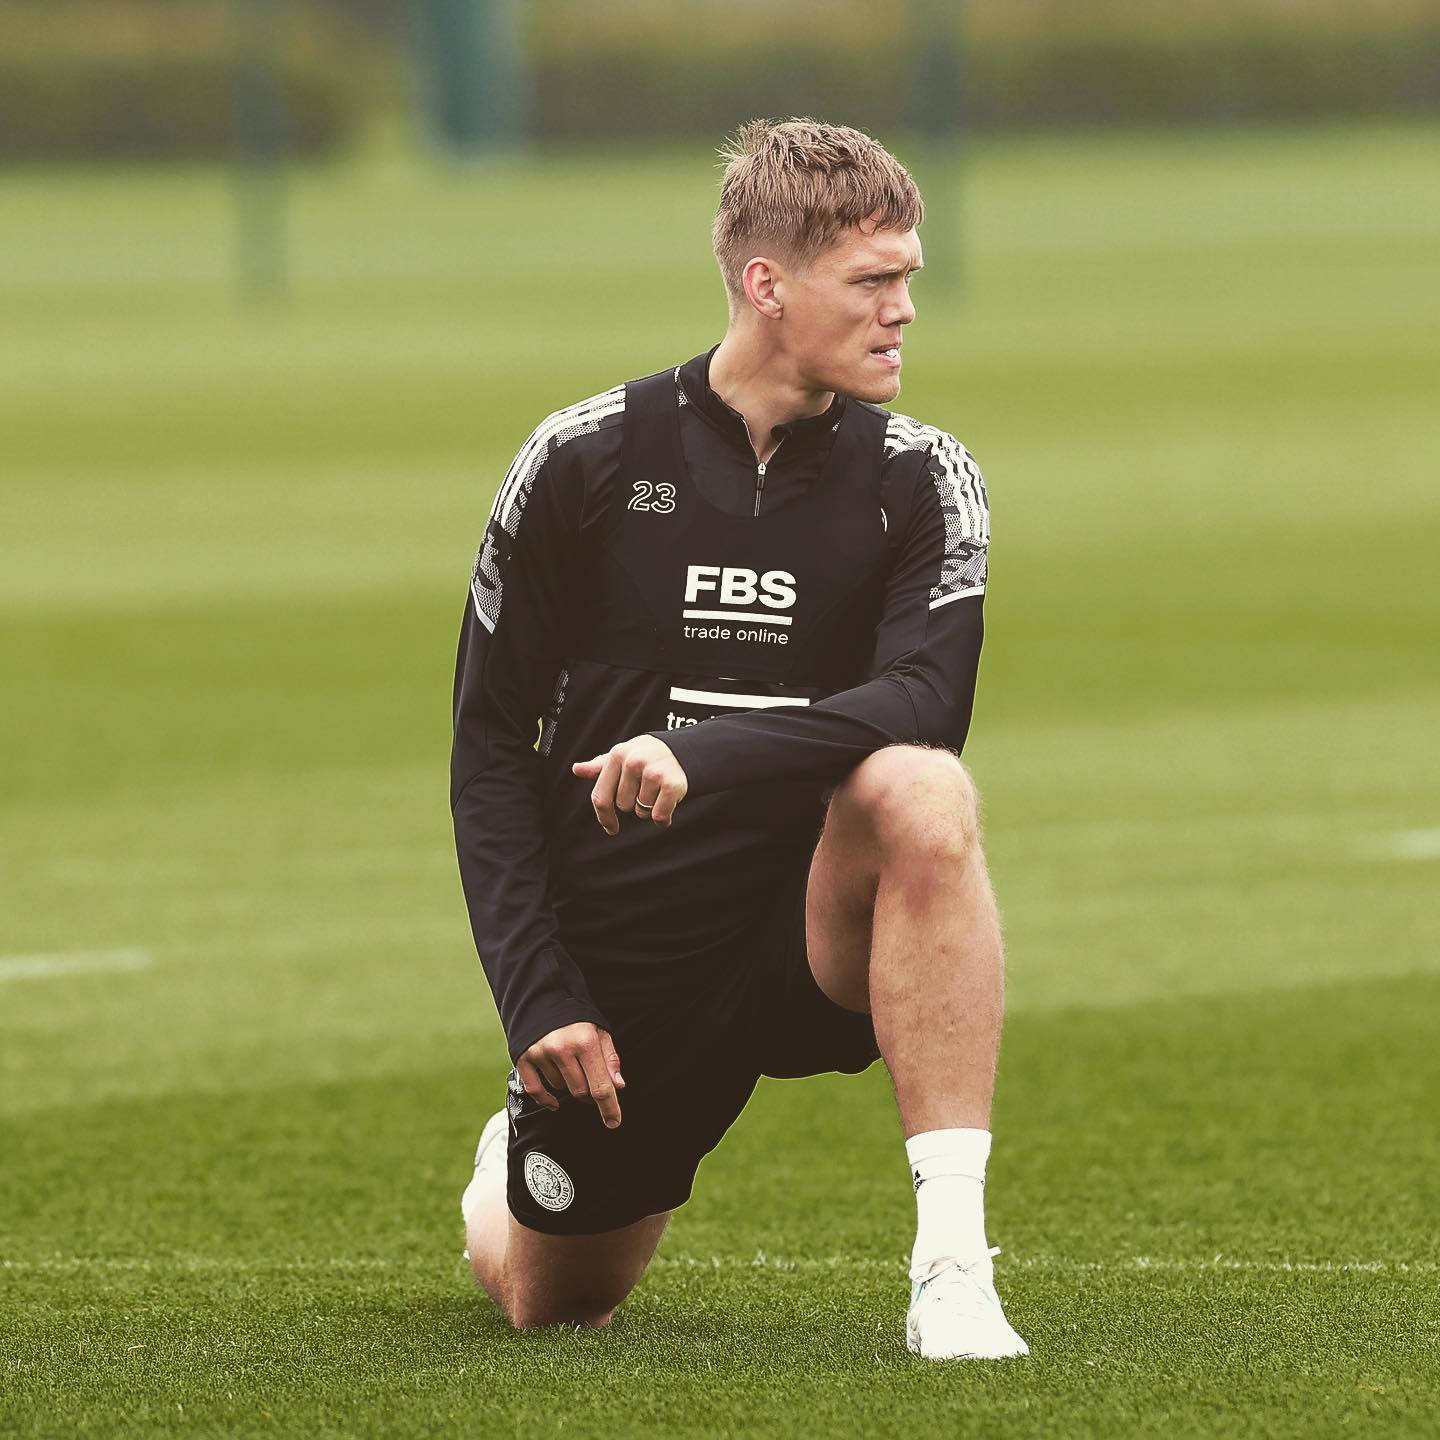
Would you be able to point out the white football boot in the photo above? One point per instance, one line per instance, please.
(955, 1313)
(490, 1155)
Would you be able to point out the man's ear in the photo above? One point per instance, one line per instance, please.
(760, 278)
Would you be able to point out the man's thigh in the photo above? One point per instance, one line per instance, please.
(576, 1279)
(903, 794)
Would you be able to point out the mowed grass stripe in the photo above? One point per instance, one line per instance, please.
(731, 1354)
(1119, 1132)
(94, 962)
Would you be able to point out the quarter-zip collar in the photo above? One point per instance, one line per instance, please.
(810, 431)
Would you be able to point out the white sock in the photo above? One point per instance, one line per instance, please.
(948, 1170)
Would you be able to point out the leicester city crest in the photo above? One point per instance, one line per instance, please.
(547, 1182)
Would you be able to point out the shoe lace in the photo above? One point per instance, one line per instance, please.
(956, 1279)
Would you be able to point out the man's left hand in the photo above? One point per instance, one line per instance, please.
(640, 777)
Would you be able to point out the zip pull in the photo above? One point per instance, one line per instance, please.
(760, 471)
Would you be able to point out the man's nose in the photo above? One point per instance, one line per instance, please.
(902, 312)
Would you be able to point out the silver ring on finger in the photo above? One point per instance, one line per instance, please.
(641, 805)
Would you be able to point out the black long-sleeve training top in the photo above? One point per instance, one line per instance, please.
(774, 624)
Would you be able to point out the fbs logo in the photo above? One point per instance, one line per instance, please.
(750, 602)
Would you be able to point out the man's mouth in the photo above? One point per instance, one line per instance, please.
(889, 355)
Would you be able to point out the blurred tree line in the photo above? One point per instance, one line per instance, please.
(91, 77)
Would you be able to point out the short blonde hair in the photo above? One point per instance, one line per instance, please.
(795, 186)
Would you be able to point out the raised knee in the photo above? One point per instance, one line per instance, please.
(916, 801)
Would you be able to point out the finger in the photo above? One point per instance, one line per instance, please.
(650, 785)
(574, 1074)
(632, 773)
(534, 1085)
(602, 797)
(612, 1059)
(551, 1077)
(602, 1088)
(672, 792)
(588, 769)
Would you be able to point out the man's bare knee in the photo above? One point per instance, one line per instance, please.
(574, 1279)
(917, 803)
(525, 1316)
(529, 1307)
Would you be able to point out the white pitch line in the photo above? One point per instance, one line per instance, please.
(1059, 1262)
(75, 962)
(808, 1263)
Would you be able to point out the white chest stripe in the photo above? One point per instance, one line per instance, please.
(742, 702)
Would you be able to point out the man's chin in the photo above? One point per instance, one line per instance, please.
(877, 390)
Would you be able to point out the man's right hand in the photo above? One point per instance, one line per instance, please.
(580, 1059)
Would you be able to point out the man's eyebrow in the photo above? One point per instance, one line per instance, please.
(888, 270)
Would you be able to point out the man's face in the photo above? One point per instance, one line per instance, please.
(844, 312)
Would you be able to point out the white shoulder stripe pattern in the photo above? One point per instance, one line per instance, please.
(963, 501)
(486, 577)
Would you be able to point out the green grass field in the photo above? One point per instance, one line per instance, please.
(245, 1046)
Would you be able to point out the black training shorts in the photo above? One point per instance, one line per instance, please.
(690, 1055)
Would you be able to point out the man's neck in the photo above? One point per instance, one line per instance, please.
(763, 390)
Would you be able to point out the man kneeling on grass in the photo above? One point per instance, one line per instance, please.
(742, 602)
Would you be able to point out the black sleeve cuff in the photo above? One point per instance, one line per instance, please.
(555, 995)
